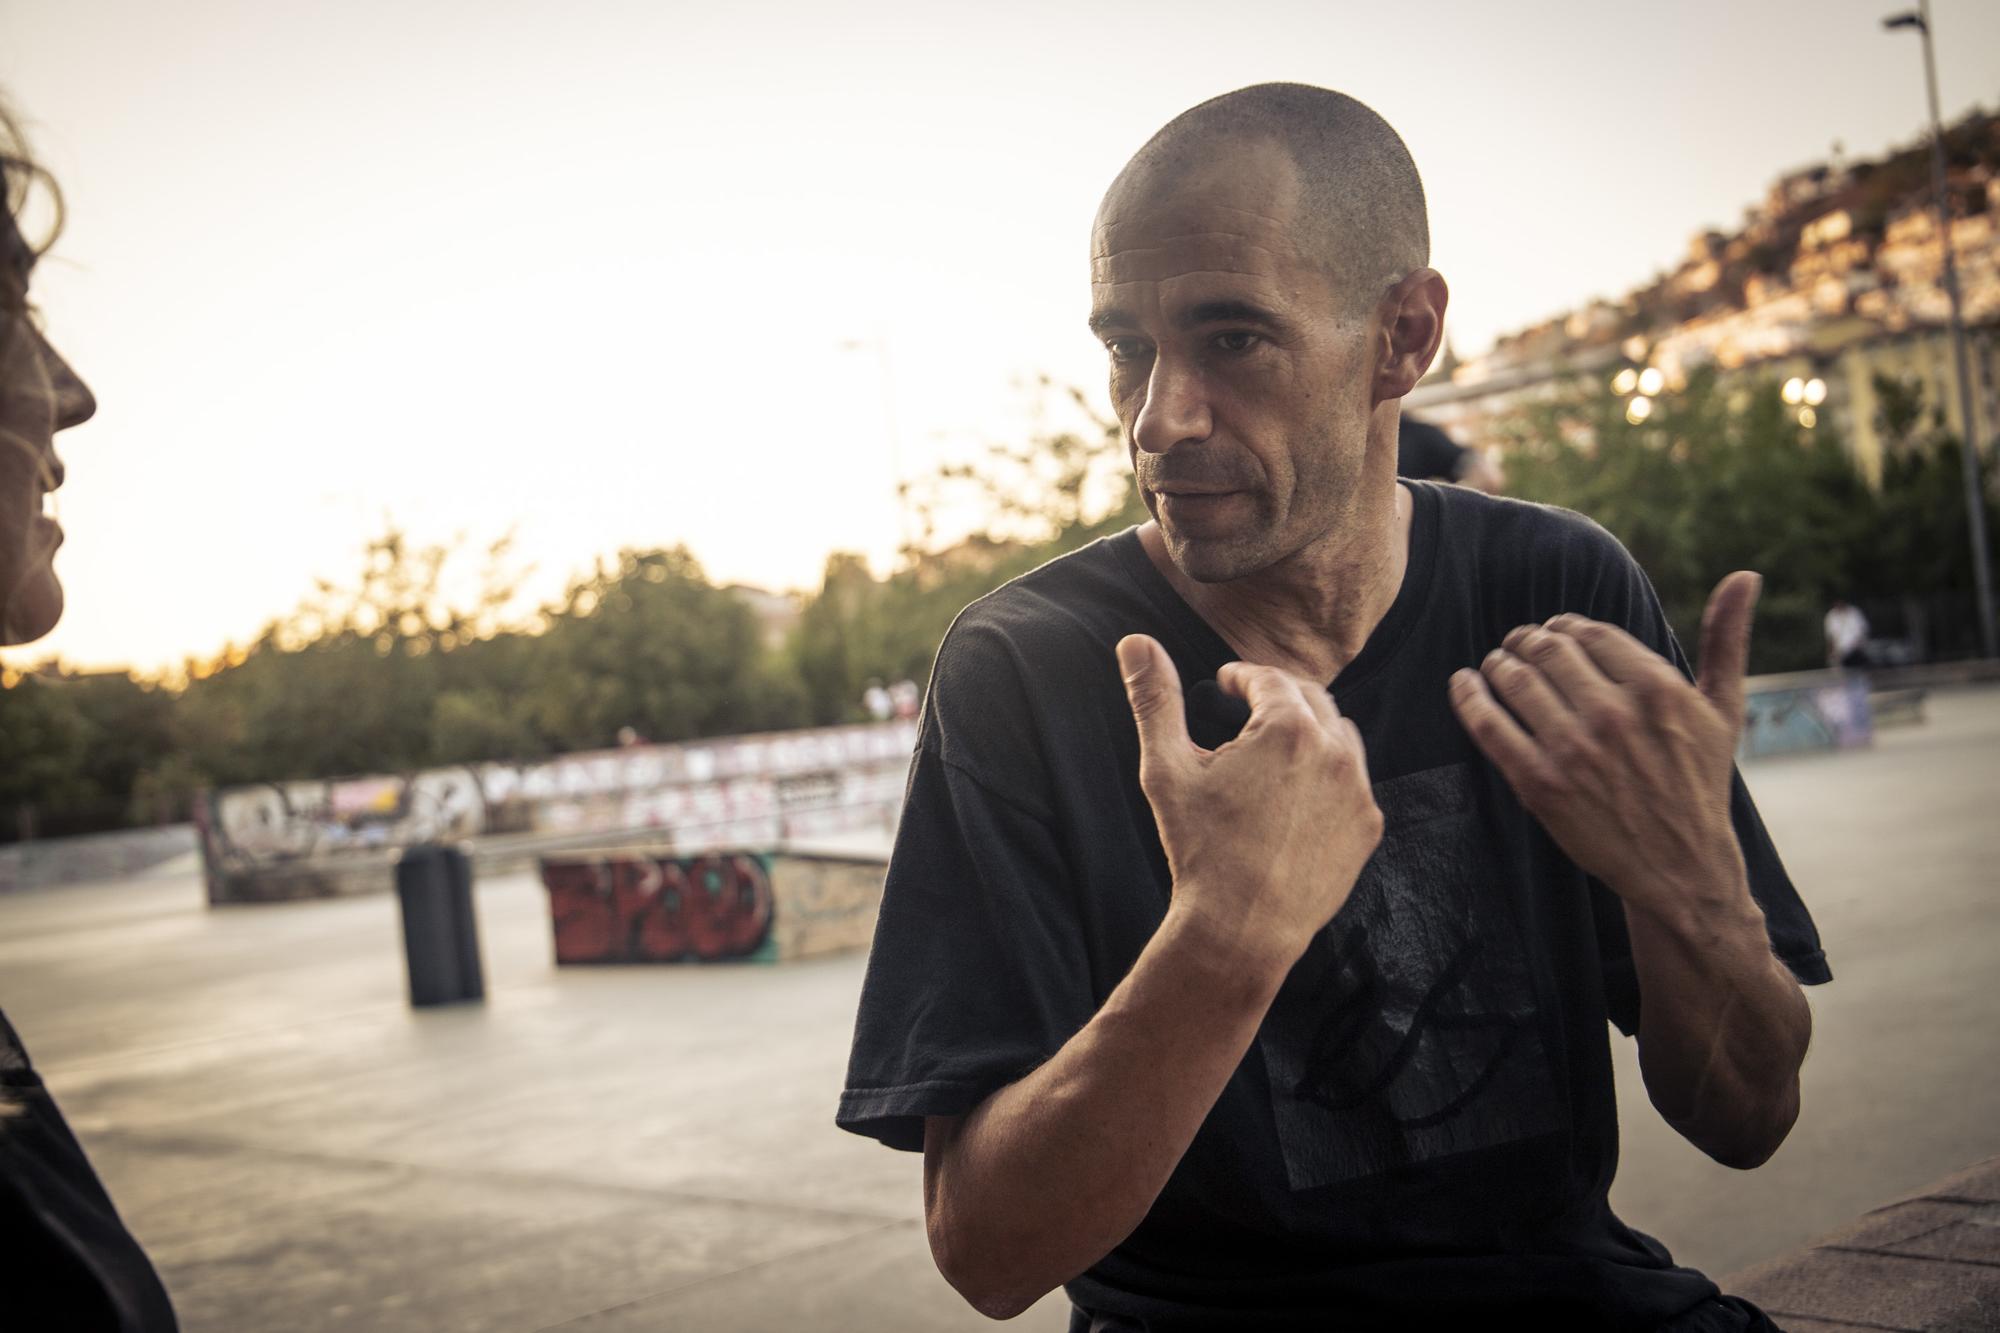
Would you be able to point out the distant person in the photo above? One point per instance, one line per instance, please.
(1272, 872)
(876, 700)
(1426, 453)
(67, 1261)
(905, 699)
(1846, 635)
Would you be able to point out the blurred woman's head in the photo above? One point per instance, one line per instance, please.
(39, 395)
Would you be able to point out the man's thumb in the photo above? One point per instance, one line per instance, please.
(1154, 688)
(1725, 642)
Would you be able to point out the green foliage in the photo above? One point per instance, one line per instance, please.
(348, 682)
(77, 746)
(1721, 477)
(652, 645)
(1065, 488)
(46, 739)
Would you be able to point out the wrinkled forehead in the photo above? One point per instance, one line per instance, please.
(1234, 206)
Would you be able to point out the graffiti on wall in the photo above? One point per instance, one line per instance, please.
(658, 907)
(641, 908)
(1829, 716)
(743, 790)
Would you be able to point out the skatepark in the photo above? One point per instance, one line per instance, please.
(652, 1146)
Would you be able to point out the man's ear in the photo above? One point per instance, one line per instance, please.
(1412, 329)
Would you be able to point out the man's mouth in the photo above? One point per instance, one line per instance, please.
(46, 522)
(1197, 510)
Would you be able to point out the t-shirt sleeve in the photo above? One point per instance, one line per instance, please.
(1622, 595)
(978, 972)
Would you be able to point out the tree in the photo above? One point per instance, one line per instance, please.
(650, 644)
(47, 743)
(1716, 478)
(1068, 485)
(1920, 561)
(347, 682)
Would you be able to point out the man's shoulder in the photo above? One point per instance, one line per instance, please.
(1020, 665)
(1525, 562)
(1519, 526)
(1059, 609)
(1525, 538)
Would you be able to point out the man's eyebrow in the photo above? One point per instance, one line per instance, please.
(1205, 312)
(1227, 312)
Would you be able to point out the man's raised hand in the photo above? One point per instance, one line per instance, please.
(1266, 834)
(1625, 763)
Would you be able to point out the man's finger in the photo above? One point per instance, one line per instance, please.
(1529, 694)
(1500, 738)
(1154, 688)
(1725, 642)
(1269, 691)
(1572, 671)
(1617, 654)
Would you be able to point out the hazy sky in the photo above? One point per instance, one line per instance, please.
(588, 268)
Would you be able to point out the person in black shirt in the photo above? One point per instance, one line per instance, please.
(1426, 453)
(1269, 872)
(66, 1259)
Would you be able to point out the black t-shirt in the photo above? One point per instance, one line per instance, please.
(66, 1259)
(1424, 1130)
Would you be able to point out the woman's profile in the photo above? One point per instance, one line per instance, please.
(66, 1258)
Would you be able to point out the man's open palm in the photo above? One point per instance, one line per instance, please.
(1624, 762)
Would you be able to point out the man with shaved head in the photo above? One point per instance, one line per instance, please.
(1269, 871)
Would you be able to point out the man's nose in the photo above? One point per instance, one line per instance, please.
(75, 403)
(1176, 410)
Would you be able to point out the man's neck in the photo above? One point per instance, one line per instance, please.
(1312, 612)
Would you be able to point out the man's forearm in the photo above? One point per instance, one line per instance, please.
(1050, 1173)
(1723, 1027)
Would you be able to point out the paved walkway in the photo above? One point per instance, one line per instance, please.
(1928, 1262)
(610, 1149)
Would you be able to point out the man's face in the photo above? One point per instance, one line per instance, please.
(39, 395)
(1241, 379)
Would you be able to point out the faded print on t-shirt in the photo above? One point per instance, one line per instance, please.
(1408, 1031)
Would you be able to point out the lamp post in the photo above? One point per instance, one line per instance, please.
(1975, 510)
(880, 342)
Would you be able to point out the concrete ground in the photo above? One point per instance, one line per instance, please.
(653, 1148)
(1930, 1262)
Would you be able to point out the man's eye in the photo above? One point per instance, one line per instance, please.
(1237, 340)
(1125, 349)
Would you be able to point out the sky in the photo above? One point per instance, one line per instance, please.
(632, 273)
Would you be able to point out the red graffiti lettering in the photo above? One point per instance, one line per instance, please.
(728, 905)
(586, 922)
(638, 908)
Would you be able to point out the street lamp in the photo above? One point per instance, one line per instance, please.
(1640, 388)
(1975, 510)
(880, 342)
(1806, 395)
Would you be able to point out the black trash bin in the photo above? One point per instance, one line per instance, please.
(440, 933)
